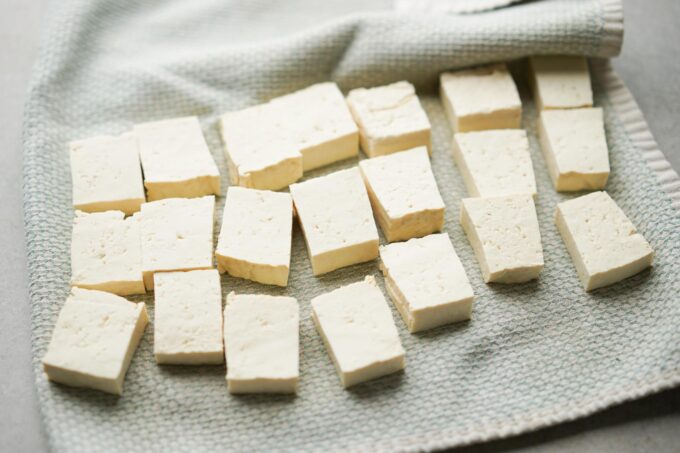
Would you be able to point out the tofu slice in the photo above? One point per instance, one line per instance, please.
(188, 318)
(404, 194)
(336, 218)
(390, 118)
(504, 234)
(177, 235)
(106, 174)
(261, 340)
(256, 236)
(94, 339)
(575, 148)
(106, 253)
(603, 243)
(481, 98)
(320, 123)
(495, 163)
(358, 331)
(176, 159)
(427, 282)
(560, 82)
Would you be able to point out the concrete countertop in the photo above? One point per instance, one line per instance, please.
(649, 64)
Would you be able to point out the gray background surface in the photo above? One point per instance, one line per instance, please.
(649, 65)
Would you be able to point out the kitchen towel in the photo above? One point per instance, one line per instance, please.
(533, 354)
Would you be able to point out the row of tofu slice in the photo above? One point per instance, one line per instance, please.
(501, 223)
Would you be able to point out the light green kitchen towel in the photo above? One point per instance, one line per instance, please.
(533, 354)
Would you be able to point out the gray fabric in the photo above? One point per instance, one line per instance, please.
(534, 354)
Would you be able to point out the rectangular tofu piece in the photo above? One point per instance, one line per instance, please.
(404, 194)
(427, 282)
(176, 160)
(259, 151)
(94, 339)
(177, 235)
(320, 123)
(504, 234)
(188, 318)
(481, 98)
(106, 174)
(336, 219)
(495, 163)
(106, 253)
(560, 82)
(575, 148)
(256, 236)
(603, 243)
(358, 331)
(262, 344)
(390, 118)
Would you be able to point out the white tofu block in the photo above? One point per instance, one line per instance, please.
(427, 282)
(390, 118)
(261, 342)
(603, 243)
(404, 194)
(94, 339)
(259, 151)
(319, 122)
(176, 160)
(106, 174)
(256, 236)
(177, 235)
(336, 218)
(495, 163)
(504, 234)
(188, 318)
(106, 253)
(575, 148)
(358, 331)
(560, 82)
(481, 98)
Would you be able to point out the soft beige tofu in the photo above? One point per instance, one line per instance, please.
(176, 160)
(427, 282)
(481, 98)
(94, 339)
(106, 174)
(560, 82)
(106, 253)
(504, 234)
(603, 243)
(262, 344)
(358, 331)
(404, 194)
(390, 118)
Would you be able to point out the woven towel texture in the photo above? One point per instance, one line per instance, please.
(533, 354)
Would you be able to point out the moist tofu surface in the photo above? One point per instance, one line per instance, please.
(176, 159)
(404, 194)
(106, 174)
(177, 234)
(358, 331)
(560, 82)
(106, 253)
(504, 234)
(495, 163)
(337, 221)
(427, 282)
(94, 339)
(261, 338)
(603, 243)
(390, 118)
(575, 148)
(256, 235)
(481, 98)
(188, 318)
